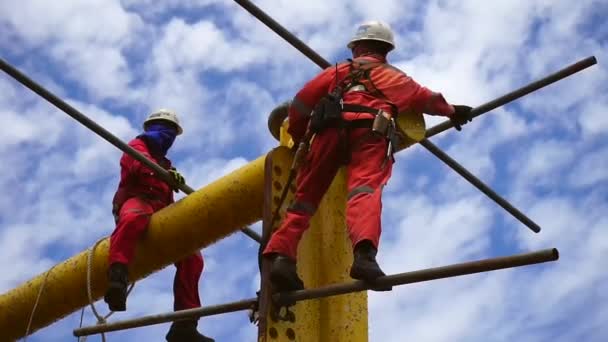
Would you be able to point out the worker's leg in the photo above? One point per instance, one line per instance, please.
(314, 177)
(185, 283)
(367, 174)
(185, 296)
(133, 220)
(312, 181)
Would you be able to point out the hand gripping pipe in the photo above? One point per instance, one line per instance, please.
(102, 132)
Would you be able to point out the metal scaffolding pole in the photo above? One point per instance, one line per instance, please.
(323, 63)
(283, 33)
(454, 270)
(486, 107)
(102, 132)
(168, 317)
(479, 184)
(521, 92)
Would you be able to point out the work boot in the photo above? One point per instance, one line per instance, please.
(116, 295)
(284, 275)
(365, 267)
(185, 331)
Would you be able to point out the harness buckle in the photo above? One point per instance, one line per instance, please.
(382, 123)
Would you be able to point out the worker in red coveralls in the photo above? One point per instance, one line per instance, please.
(370, 87)
(141, 193)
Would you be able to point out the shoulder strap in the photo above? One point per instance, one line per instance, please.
(359, 74)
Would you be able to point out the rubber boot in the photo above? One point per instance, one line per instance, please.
(116, 294)
(185, 331)
(365, 267)
(284, 275)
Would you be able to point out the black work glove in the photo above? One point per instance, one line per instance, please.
(177, 178)
(461, 115)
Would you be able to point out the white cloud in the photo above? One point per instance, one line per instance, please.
(591, 170)
(85, 39)
(541, 159)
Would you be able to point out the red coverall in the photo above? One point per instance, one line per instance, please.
(365, 174)
(139, 195)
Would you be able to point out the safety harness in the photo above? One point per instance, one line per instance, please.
(359, 79)
(328, 112)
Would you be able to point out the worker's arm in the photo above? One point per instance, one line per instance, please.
(131, 167)
(421, 99)
(408, 95)
(430, 102)
(306, 100)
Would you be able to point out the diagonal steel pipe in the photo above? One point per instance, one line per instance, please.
(102, 132)
(462, 171)
(284, 298)
(449, 271)
(283, 33)
(486, 107)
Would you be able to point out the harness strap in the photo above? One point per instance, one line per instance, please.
(362, 123)
(355, 108)
(359, 79)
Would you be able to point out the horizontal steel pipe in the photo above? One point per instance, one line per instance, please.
(333, 290)
(422, 275)
(167, 317)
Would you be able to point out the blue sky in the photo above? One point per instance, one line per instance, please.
(223, 71)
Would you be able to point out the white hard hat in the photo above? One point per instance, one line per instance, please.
(164, 115)
(373, 30)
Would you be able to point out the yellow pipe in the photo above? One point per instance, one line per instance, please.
(344, 318)
(306, 326)
(196, 221)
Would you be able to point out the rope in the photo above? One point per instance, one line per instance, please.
(81, 338)
(29, 323)
(100, 319)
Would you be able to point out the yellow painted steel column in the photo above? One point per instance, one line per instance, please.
(205, 216)
(343, 318)
(324, 257)
(306, 326)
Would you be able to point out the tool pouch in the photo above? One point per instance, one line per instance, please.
(382, 124)
(327, 113)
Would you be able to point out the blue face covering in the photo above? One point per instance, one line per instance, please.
(160, 136)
